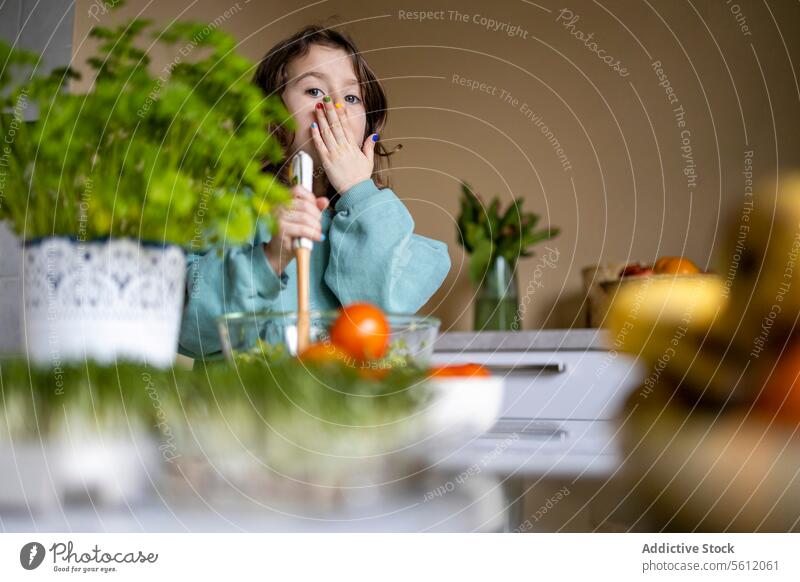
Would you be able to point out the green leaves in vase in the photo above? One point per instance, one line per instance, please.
(487, 232)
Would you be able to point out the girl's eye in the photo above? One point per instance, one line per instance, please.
(311, 92)
(355, 99)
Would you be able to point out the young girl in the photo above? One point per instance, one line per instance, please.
(364, 245)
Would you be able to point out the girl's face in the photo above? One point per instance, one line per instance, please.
(321, 71)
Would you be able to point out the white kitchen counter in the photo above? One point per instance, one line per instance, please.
(478, 506)
(541, 339)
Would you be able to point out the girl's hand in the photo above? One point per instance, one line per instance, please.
(302, 219)
(346, 162)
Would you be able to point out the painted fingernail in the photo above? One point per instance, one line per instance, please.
(339, 106)
(374, 137)
(327, 99)
(319, 105)
(314, 125)
(322, 237)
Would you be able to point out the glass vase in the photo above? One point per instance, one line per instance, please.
(497, 299)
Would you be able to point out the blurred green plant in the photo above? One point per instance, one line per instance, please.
(487, 232)
(287, 421)
(35, 400)
(159, 157)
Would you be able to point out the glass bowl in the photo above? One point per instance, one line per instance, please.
(270, 334)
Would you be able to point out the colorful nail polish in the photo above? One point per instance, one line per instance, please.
(322, 237)
(339, 106)
(319, 105)
(314, 125)
(327, 99)
(374, 137)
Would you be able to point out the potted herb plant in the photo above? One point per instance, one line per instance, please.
(108, 188)
(495, 239)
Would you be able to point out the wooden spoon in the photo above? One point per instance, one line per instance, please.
(302, 167)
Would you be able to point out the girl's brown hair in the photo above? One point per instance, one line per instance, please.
(272, 76)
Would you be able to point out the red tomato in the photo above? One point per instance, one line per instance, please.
(635, 270)
(362, 331)
(459, 371)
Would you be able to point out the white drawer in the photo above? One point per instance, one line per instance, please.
(538, 448)
(562, 385)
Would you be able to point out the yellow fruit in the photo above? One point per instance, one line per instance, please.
(761, 252)
(647, 314)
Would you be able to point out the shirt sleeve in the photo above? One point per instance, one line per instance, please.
(375, 255)
(237, 279)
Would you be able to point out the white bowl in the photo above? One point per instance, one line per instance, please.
(465, 407)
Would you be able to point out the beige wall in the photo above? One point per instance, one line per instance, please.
(625, 196)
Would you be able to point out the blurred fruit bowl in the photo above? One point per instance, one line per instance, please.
(610, 287)
(267, 335)
(610, 290)
(663, 266)
(697, 470)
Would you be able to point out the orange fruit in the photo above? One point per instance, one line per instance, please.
(780, 396)
(325, 353)
(362, 331)
(459, 371)
(675, 266)
(370, 373)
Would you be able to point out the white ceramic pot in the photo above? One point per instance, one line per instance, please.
(102, 300)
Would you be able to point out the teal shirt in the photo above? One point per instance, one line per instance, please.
(370, 253)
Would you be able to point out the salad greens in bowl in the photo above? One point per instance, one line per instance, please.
(271, 336)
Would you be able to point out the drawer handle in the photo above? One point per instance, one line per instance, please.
(527, 429)
(554, 368)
